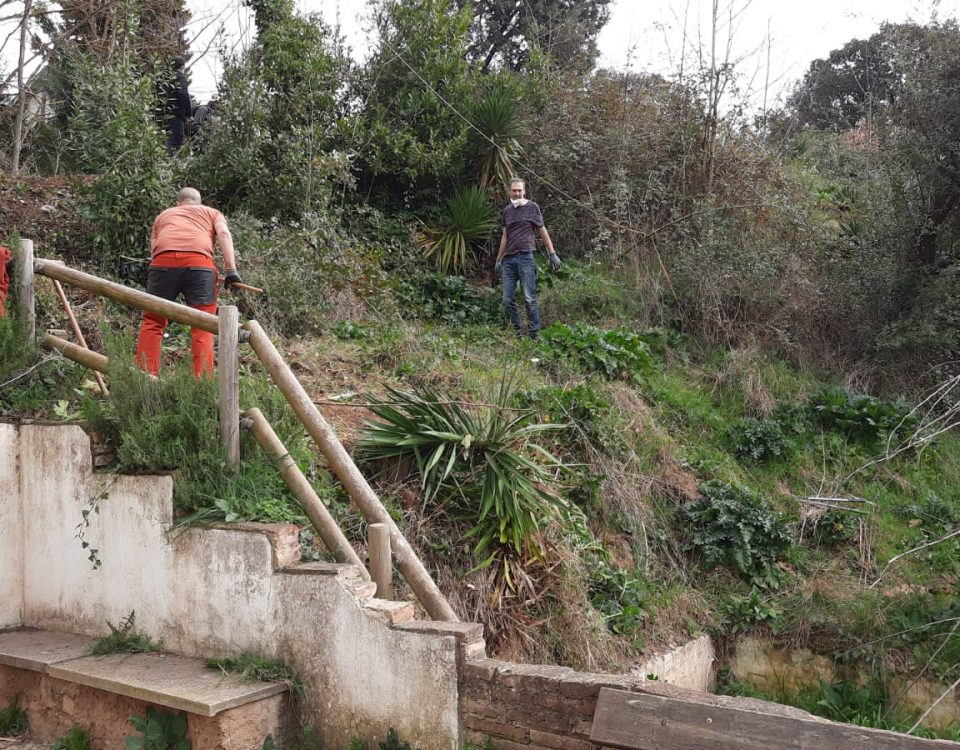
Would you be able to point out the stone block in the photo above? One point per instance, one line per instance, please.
(496, 728)
(171, 681)
(37, 649)
(558, 742)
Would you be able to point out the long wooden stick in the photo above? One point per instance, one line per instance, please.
(316, 511)
(245, 287)
(58, 287)
(354, 482)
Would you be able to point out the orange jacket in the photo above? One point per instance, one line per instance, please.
(5, 257)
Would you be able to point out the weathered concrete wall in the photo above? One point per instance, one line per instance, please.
(219, 591)
(11, 533)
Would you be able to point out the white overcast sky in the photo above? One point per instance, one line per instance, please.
(646, 35)
(642, 35)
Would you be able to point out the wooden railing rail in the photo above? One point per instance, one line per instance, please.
(389, 539)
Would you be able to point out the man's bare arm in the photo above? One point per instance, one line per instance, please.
(503, 244)
(545, 235)
(226, 245)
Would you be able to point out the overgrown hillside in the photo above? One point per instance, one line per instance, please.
(738, 419)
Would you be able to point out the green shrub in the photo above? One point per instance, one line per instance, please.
(741, 613)
(122, 640)
(113, 135)
(13, 719)
(161, 731)
(758, 440)
(612, 354)
(622, 597)
(584, 411)
(731, 526)
(484, 462)
(75, 739)
(836, 528)
(311, 272)
(393, 742)
(172, 423)
(859, 416)
(468, 219)
(449, 299)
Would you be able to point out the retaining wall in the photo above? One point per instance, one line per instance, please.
(214, 592)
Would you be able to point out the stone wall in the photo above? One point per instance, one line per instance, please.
(215, 592)
(551, 708)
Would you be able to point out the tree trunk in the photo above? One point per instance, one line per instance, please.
(21, 94)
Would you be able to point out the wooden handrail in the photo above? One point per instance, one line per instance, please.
(333, 538)
(346, 470)
(363, 496)
(130, 297)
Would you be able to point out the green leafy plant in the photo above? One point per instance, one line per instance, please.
(122, 640)
(483, 460)
(621, 596)
(859, 416)
(612, 354)
(449, 299)
(160, 731)
(171, 423)
(758, 440)
(76, 739)
(468, 220)
(729, 525)
(347, 330)
(13, 719)
(741, 613)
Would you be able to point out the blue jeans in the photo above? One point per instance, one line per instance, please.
(523, 268)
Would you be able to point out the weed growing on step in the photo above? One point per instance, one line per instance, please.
(13, 719)
(123, 640)
(252, 667)
(160, 731)
(76, 739)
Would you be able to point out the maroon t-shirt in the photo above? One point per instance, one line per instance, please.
(521, 223)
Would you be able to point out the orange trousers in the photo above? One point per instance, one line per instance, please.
(153, 325)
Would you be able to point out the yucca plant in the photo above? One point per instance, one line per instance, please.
(482, 461)
(469, 219)
(494, 147)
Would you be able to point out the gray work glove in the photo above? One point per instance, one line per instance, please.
(497, 267)
(231, 278)
(554, 262)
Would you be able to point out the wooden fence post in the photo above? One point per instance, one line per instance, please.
(26, 297)
(228, 372)
(381, 562)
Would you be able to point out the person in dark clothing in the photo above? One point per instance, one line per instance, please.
(522, 221)
(177, 106)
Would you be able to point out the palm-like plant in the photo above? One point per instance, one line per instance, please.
(495, 146)
(481, 460)
(469, 219)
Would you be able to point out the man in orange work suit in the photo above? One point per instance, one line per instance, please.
(181, 249)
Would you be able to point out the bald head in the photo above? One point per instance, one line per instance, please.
(188, 196)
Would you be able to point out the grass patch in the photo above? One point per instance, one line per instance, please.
(13, 719)
(254, 668)
(76, 739)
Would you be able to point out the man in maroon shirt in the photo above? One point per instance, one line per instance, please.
(522, 221)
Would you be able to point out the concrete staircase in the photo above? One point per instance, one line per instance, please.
(61, 686)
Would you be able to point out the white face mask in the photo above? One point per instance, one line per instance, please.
(518, 202)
